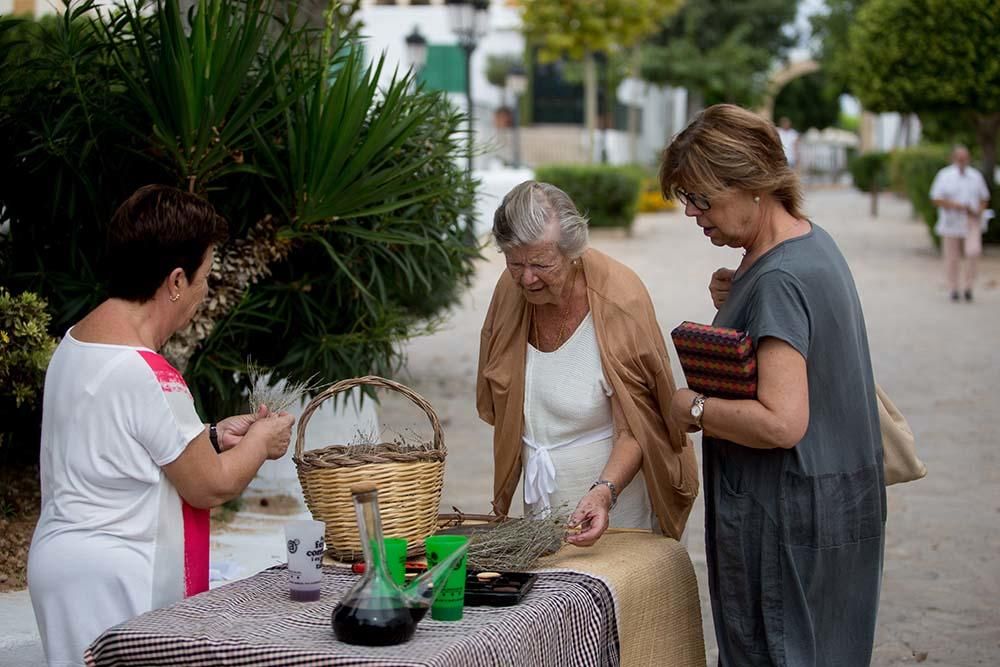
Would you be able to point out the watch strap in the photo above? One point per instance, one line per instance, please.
(699, 400)
(213, 436)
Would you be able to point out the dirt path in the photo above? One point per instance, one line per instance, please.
(939, 361)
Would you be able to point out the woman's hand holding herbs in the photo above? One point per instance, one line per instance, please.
(275, 429)
(232, 429)
(591, 517)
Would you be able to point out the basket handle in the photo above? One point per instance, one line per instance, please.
(375, 381)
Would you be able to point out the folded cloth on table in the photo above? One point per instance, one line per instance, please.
(655, 591)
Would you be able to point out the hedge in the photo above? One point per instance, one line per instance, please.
(607, 195)
(866, 168)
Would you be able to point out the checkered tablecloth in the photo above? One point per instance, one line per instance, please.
(568, 618)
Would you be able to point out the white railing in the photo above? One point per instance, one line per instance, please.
(823, 154)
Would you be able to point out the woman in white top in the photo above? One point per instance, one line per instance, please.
(575, 379)
(128, 469)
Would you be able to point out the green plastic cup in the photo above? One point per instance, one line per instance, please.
(395, 559)
(448, 604)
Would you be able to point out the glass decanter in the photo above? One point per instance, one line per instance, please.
(375, 611)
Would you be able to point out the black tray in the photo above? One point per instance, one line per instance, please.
(506, 590)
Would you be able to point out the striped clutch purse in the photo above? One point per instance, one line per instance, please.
(717, 361)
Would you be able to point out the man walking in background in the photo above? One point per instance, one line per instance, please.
(960, 194)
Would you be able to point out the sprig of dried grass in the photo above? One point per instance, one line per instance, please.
(277, 396)
(368, 440)
(517, 544)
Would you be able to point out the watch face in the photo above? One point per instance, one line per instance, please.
(696, 410)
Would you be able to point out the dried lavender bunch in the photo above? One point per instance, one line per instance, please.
(517, 544)
(368, 440)
(277, 396)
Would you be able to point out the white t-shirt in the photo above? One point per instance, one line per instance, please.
(114, 538)
(965, 187)
(789, 139)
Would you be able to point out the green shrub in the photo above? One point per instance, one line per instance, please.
(25, 346)
(912, 172)
(25, 350)
(993, 233)
(869, 169)
(607, 195)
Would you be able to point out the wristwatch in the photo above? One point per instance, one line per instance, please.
(611, 486)
(698, 409)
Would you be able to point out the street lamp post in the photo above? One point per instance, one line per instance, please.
(469, 20)
(416, 51)
(517, 83)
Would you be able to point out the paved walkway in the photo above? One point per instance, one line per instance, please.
(939, 361)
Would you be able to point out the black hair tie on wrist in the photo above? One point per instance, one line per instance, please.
(213, 435)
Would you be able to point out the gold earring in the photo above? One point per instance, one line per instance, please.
(756, 199)
(175, 298)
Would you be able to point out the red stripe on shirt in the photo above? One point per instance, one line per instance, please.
(169, 377)
(196, 530)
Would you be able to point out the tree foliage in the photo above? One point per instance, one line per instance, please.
(916, 56)
(830, 30)
(578, 29)
(574, 28)
(721, 51)
(350, 214)
(809, 101)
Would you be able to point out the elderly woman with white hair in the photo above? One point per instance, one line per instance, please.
(575, 379)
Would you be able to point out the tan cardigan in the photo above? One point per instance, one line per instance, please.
(635, 361)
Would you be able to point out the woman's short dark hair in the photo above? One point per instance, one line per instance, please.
(156, 230)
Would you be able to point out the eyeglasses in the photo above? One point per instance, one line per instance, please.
(700, 202)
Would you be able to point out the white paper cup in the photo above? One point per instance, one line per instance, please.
(304, 541)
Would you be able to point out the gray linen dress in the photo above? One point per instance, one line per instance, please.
(795, 537)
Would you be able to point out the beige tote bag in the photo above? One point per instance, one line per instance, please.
(898, 450)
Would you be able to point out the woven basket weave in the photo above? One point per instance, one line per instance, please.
(409, 482)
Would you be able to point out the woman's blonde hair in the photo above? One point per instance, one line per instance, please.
(726, 146)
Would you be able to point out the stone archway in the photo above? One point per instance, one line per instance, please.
(778, 81)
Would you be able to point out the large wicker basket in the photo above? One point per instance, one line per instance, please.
(409, 481)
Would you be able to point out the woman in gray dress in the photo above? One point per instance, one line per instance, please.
(794, 490)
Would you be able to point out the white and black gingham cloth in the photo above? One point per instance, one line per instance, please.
(567, 618)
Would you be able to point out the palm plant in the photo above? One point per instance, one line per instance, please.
(201, 88)
(349, 213)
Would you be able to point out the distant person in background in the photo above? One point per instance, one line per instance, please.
(959, 191)
(789, 141)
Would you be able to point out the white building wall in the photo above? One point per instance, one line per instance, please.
(889, 132)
